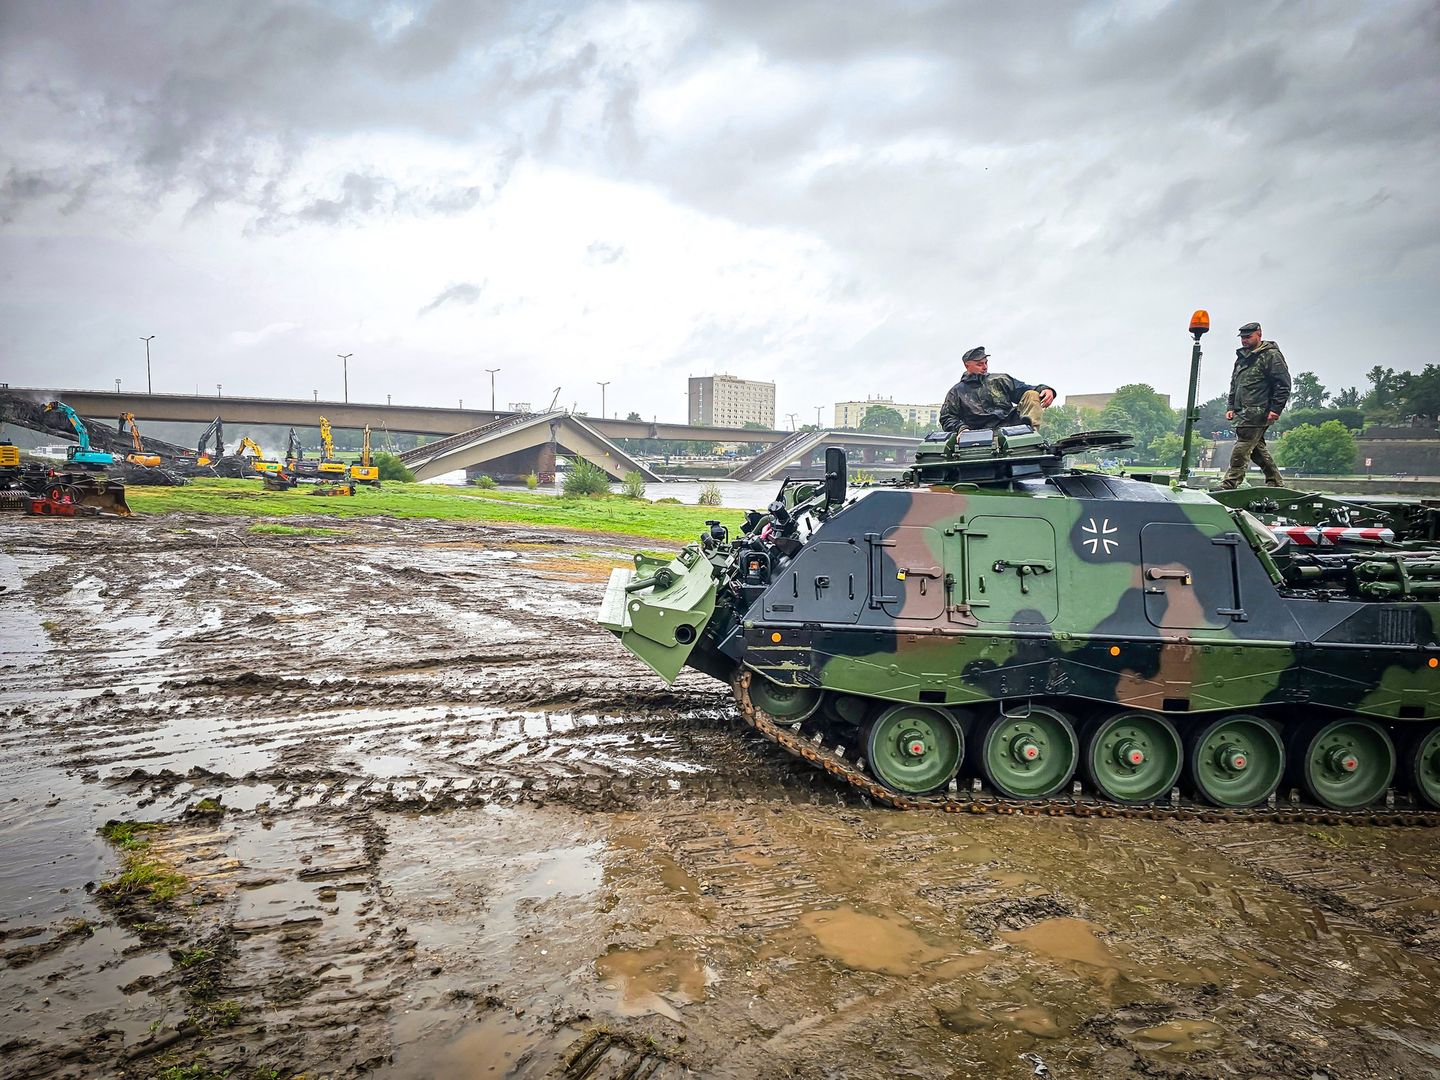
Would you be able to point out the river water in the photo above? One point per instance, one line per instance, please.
(734, 494)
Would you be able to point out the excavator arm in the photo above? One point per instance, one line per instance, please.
(366, 472)
(217, 430)
(138, 456)
(82, 454)
(328, 466)
(259, 462)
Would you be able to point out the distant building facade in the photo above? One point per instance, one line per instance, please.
(726, 401)
(850, 414)
(1099, 401)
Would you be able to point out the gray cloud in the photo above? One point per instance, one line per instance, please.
(600, 253)
(967, 170)
(465, 293)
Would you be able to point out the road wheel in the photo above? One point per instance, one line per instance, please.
(785, 704)
(1344, 764)
(914, 749)
(1133, 757)
(1236, 761)
(1420, 766)
(1028, 755)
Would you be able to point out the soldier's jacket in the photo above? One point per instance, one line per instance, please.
(1260, 383)
(984, 401)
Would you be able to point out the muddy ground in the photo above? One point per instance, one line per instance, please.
(431, 822)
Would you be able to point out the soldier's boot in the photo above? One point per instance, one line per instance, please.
(1031, 408)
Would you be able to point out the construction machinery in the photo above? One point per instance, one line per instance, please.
(325, 468)
(216, 430)
(44, 488)
(137, 456)
(258, 461)
(366, 472)
(81, 455)
(82, 481)
(328, 467)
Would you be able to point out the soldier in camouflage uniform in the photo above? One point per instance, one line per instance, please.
(984, 400)
(1259, 390)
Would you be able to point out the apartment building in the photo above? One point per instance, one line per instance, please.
(849, 414)
(726, 401)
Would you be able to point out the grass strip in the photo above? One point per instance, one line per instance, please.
(599, 513)
(141, 877)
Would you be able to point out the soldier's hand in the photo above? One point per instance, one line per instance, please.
(1230, 415)
(1047, 397)
(1270, 418)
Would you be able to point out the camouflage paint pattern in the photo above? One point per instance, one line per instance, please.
(1160, 605)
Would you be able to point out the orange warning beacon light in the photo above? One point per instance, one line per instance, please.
(1200, 323)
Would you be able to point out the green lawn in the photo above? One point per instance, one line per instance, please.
(605, 513)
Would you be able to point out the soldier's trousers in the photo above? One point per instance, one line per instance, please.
(1250, 446)
(1030, 408)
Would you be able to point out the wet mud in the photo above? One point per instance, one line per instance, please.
(389, 804)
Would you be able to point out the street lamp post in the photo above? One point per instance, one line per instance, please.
(492, 371)
(602, 386)
(387, 399)
(817, 414)
(345, 372)
(149, 388)
(217, 389)
(117, 386)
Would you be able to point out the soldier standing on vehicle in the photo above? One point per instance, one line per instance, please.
(982, 399)
(1259, 390)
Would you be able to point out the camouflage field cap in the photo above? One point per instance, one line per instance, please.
(977, 353)
(1249, 328)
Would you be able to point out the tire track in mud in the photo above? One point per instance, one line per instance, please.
(1349, 882)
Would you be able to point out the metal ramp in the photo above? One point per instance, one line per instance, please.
(567, 434)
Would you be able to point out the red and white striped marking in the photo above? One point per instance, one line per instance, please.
(1310, 536)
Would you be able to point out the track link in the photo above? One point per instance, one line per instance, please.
(1082, 805)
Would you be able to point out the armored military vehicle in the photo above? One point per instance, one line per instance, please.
(1002, 630)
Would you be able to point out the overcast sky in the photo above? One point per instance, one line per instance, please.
(837, 197)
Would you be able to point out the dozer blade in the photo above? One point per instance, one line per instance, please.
(105, 495)
(659, 609)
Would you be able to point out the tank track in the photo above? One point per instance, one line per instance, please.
(1084, 805)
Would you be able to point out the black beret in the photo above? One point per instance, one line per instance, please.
(1249, 328)
(977, 353)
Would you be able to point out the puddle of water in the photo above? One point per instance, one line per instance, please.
(491, 1048)
(1026, 1019)
(1180, 1036)
(1064, 939)
(964, 965)
(1010, 880)
(23, 640)
(883, 943)
(182, 743)
(655, 980)
(976, 853)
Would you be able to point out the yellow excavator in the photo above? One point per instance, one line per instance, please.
(137, 456)
(259, 462)
(367, 472)
(328, 468)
